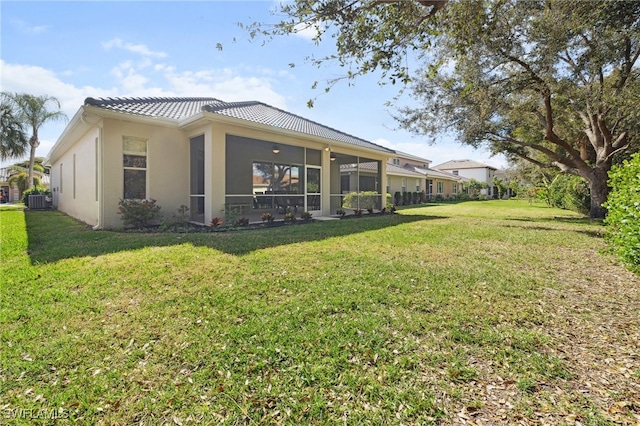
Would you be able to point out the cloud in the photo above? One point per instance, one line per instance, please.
(27, 28)
(40, 81)
(226, 84)
(140, 49)
(139, 78)
(306, 31)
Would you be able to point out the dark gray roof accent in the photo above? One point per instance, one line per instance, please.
(174, 108)
(253, 111)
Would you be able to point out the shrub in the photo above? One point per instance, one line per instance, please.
(36, 190)
(388, 203)
(138, 213)
(267, 218)
(243, 221)
(361, 200)
(357, 212)
(176, 222)
(569, 192)
(406, 198)
(397, 198)
(289, 217)
(215, 222)
(623, 219)
(306, 216)
(341, 212)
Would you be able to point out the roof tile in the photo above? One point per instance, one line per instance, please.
(253, 111)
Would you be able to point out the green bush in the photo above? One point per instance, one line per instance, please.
(138, 213)
(397, 198)
(367, 200)
(406, 198)
(569, 192)
(623, 219)
(36, 190)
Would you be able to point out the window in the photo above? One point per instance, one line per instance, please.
(276, 178)
(454, 188)
(455, 173)
(396, 161)
(440, 187)
(404, 185)
(134, 161)
(429, 186)
(417, 185)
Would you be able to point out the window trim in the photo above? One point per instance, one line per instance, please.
(145, 168)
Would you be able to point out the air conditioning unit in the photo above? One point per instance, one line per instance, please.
(38, 202)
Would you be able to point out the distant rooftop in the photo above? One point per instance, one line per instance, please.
(462, 164)
(252, 111)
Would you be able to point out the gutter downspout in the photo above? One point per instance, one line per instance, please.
(100, 180)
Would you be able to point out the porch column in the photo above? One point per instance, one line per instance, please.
(325, 183)
(214, 172)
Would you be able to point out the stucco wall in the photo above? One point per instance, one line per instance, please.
(73, 179)
(167, 167)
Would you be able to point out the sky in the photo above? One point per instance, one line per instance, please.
(75, 50)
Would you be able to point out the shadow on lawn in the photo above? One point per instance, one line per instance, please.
(54, 236)
(596, 233)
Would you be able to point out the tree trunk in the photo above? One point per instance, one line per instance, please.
(32, 158)
(599, 192)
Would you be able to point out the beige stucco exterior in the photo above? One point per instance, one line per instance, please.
(87, 161)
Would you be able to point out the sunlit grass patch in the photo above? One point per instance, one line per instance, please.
(384, 320)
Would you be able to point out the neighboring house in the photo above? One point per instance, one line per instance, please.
(502, 175)
(409, 173)
(12, 192)
(210, 155)
(472, 170)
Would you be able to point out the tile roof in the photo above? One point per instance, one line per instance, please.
(434, 173)
(397, 170)
(462, 164)
(174, 108)
(407, 156)
(253, 111)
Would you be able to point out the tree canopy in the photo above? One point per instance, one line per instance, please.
(32, 112)
(554, 82)
(13, 140)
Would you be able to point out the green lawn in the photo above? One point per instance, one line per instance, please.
(491, 312)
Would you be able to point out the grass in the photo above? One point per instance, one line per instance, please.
(397, 319)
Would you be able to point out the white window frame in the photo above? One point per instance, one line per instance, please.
(146, 168)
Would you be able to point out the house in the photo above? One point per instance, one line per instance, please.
(212, 156)
(11, 192)
(472, 170)
(409, 173)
